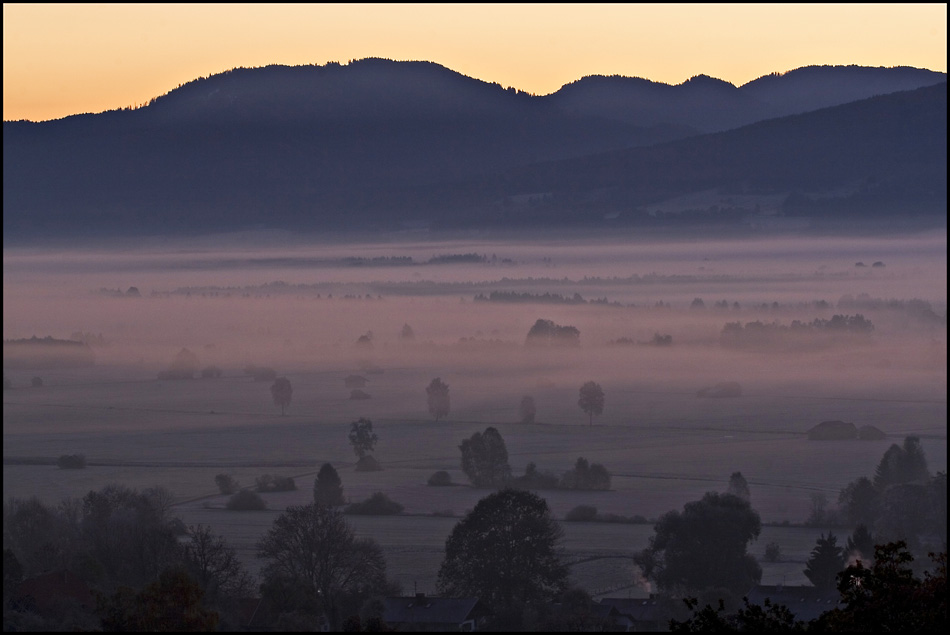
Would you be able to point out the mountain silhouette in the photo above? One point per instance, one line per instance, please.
(375, 144)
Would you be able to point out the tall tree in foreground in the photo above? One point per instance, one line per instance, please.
(591, 400)
(505, 552)
(704, 547)
(313, 554)
(437, 397)
(282, 392)
(888, 597)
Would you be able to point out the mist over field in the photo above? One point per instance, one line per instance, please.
(300, 308)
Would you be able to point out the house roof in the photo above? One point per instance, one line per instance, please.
(421, 609)
(639, 609)
(805, 602)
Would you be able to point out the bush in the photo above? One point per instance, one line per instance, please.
(376, 505)
(211, 371)
(246, 500)
(37, 382)
(440, 479)
(357, 394)
(271, 483)
(71, 461)
(226, 483)
(582, 513)
(368, 464)
(773, 553)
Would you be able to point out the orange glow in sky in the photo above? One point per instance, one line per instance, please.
(62, 59)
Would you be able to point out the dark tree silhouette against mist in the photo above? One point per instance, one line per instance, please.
(485, 459)
(591, 400)
(312, 549)
(704, 546)
(282, 392)
(505, 552)
(437, 395)
(738, 486)
(328, 488)
(362, 437)
(826, 562)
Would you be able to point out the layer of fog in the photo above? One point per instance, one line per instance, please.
(223, 305)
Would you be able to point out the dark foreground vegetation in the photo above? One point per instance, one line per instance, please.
(118, 559)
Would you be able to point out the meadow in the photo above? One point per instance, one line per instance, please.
(301, 308)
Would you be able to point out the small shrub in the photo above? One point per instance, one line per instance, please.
(773, 553)
(37, 382)
(368, 464)
(582, 513)
(440, 479)
(271, 483)
(71, 461)
(246, 500)
(358, 395)
(211, 371)
(226, 483)
(376, 505)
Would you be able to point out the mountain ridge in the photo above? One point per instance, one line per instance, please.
(332, 145)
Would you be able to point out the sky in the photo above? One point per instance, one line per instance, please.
(63, 59)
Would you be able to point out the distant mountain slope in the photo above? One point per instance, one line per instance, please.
(376, 143)
(885, 155)
(712, 105)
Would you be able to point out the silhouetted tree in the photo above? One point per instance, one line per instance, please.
(215, 565)
(591, 400)
(282, 392)
(861, 544)
(437, 396)
(312, 549)
(751, 618)
(888, 597)
(738, 486)
(704, 546)
(586, 476)
(547, 333)
(527, 410)
(226, 483)
(505, 552)
(246, 500)
(328, 488)
(362, 437)
(173, 603)
(826, 562)
(861, 502)
(485, 459)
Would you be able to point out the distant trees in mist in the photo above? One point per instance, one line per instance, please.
(817, 333)
(485, 459)
(437, 398)
(545, 333)
(591, 400)
(282, 392)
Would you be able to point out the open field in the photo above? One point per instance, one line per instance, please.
(664, 445)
